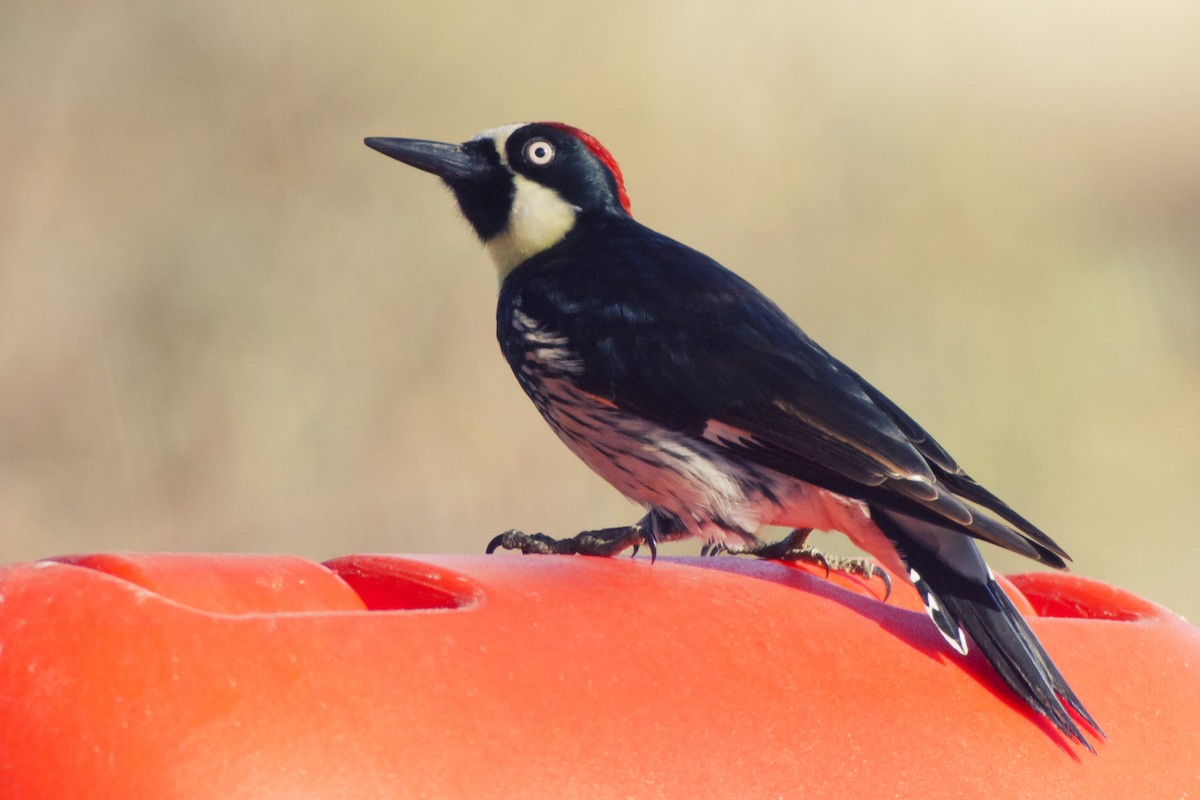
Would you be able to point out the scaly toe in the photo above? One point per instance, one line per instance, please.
(527, 543)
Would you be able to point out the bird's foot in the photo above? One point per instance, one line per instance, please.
(794, 547)
(603, 542)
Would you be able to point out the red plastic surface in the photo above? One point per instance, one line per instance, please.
(197, 676)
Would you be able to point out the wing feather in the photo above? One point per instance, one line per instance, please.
(669, 334)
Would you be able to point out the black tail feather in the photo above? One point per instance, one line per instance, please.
(977, 603)
(1005, 639)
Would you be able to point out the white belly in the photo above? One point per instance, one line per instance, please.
(718, 498)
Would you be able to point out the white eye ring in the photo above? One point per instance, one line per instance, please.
(539, 152)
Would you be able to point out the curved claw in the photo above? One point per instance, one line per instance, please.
(887, 582)
(497, 541)
(647, 538)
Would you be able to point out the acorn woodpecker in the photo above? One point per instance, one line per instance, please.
(698, 398)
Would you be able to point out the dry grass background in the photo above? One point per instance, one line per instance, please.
(227, 325)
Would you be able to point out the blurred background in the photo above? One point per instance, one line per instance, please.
(225, 324)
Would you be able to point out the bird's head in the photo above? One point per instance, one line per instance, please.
(522, 187)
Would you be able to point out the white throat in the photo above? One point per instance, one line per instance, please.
(539, 219)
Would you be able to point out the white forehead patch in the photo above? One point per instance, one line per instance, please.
(499, 137)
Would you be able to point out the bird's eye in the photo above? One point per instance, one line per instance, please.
(539, 152)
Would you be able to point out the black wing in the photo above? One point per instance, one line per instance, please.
(667, 333)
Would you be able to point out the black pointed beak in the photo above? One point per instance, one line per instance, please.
(451, 162)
